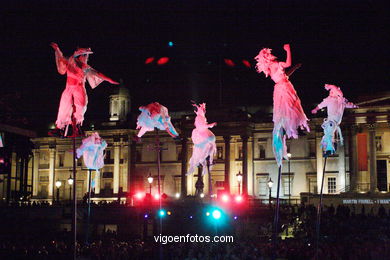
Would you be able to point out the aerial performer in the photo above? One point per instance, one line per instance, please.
(335, 104)
(288, 114)
(153, 116)
(204, 141)
(74, 98)
(92, 150)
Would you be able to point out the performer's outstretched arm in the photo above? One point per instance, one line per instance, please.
(103, 77)
(287, 64)
(61, 61)
(350, 105)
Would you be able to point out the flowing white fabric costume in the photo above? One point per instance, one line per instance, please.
(92, 150)
(288, 114)
(154, 115)
(203, 139)
(77, 71)
(335, 104)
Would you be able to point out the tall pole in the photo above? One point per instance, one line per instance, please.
(319, 209)
(289, 183)
(209, 176)
(276, 218)
(89, 204)
(158, 150)
(74, 220)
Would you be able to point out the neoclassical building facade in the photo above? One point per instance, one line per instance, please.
(244, 145)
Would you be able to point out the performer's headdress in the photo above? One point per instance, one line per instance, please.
(264, 59)
(82, 51)
(334, 90)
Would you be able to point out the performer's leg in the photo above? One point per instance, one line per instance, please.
(142, 131)
(65, 109)
(80, 102)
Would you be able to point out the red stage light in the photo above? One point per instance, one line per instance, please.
(139, 195)
(225, 198)
(229, 62)
(149, 60)
(163, 60)
(156, 196)
(238, 199)
(246, 63)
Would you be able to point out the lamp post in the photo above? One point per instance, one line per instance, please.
(70, 182)
(239, 180)
(150, 181)
(289, 179)
(58, 185)
(270, 183)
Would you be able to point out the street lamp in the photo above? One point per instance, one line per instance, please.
(270, 183)
(150, 180)
(239, 180)
(70, 182)
(289, 179)
(58, 185)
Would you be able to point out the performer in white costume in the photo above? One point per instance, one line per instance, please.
(153, 116)
(288, 114)
(75, 96)
(203, 139)
(335, 104)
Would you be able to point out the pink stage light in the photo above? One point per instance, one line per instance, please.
(156, 196)
(163, 61)
(139, 195)
(149, 60)
(225, 198)
(229, 62)
(246, 63)
(238, 199)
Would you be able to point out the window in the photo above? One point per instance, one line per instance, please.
(331, 184)
(287, 184)
(312, 148)
(177, 179)
(61, 160)
(378, 143)
(239, 155)
(311, 181)
(220, 152)
(261, 151)
(262, 185)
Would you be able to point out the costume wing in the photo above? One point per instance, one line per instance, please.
(93, 78)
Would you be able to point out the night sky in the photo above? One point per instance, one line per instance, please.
(338, 42)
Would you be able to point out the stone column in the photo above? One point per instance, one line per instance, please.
(52, 158)
(341, 167)
(183, 180)
(131, 174)
(35, 172)
(227, 163)
(244, 139)
(372, 147)
(116, 168)
(353, 162)
(320, 161)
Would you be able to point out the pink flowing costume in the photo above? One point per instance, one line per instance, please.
(92, 150)
(204, 141)
(153, 116)
(288, 114)
(335, 104)
(75, 94)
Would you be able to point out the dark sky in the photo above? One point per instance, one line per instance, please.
(339, 42)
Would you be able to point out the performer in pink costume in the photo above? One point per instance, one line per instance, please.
(92, 150)
(335, 104)
(288, 114)
(77, 71)
(153, 116)
(203, 139)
